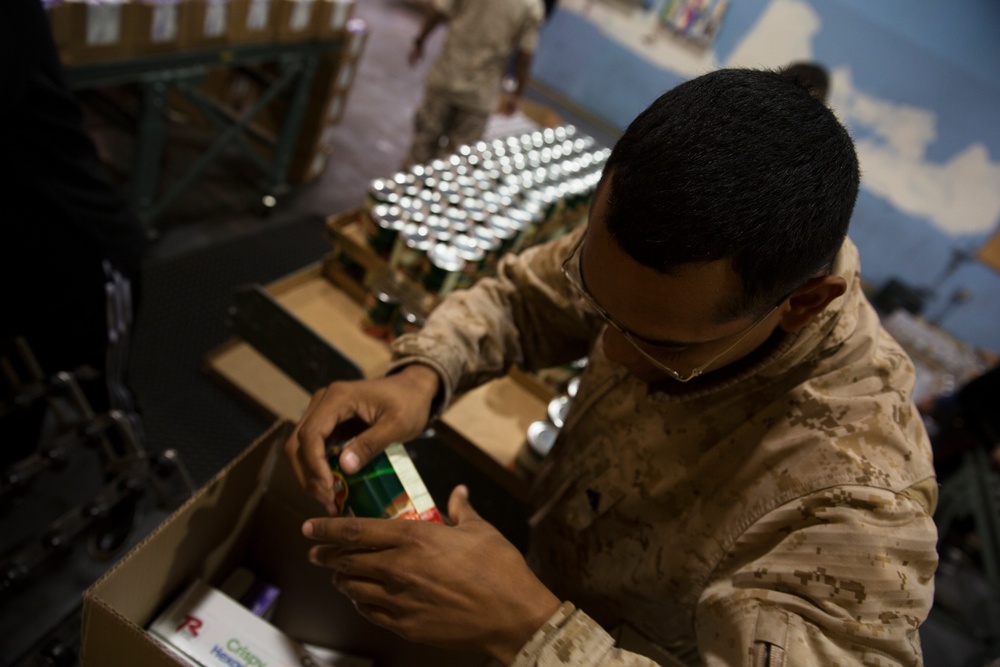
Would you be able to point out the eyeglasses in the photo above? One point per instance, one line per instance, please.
(574, 274)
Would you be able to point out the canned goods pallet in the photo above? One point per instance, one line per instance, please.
(407, 319)
(474, 255)
(409, 256)
(445, 269)
(385, 222)
(381, 303)
(538, 442)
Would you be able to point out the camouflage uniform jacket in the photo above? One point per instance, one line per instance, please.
(780, 517)
(481, 38)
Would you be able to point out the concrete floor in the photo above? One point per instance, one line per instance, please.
(369, 142)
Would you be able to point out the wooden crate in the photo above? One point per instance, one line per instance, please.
(351, 265)
(487, 425)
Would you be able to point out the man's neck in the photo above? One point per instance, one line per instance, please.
(722, 375)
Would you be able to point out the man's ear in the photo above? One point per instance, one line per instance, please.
(810, 300)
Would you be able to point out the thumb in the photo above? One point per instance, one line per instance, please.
(459, 508)
(367, 445)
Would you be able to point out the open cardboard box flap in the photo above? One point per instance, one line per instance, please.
(195, 541)
(249, 514)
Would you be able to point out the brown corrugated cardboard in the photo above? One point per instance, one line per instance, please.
(255, 21)
(332, 17)
(208, 22)
(159, 25)
(60, 23)
(333, 82)
(297, 20)
(94, 31)
(249, 514)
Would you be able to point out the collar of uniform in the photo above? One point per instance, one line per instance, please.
(828, 331)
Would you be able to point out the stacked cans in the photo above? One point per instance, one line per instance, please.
(541, 435)
(445, 224)
(392, 310)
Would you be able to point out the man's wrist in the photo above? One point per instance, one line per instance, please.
(535, 627)
(423, 376)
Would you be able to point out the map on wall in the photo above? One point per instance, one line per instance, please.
(697, 21)
(922, 114)
(959, 195)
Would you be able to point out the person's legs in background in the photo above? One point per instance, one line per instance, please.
(430, 124)
(467, 127)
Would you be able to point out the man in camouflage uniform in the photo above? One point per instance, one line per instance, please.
(743, 478)
(463, 85)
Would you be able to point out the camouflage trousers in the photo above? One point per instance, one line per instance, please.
(440, 127)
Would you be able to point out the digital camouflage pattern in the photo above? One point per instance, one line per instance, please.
(481, 38)
(781, 517)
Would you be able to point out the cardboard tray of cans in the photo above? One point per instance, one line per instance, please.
(419, 235)
(487, 426)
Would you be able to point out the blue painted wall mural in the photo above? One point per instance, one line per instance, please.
(917, 84)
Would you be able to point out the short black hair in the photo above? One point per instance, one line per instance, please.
(736, 164)
(811, 75)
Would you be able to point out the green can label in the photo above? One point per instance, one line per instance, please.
(389, 487)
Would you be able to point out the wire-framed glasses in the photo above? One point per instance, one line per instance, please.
(650, 351)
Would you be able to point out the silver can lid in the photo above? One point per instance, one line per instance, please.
(486, 238)
(416, 236)
(542, 436)
(468, 248)
(558, 409)
(446, 257)
(455, 214)
(388, 216)
(403, 179)
(502, 227)
(381, 188)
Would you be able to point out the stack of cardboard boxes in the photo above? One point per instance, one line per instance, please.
(334, 80)
(90, 31)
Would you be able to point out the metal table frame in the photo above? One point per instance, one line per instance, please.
(183, 71)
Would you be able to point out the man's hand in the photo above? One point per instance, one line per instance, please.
(460, 587)
(396, 408)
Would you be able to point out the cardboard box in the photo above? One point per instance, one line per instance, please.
(159, 25)
(332, 17)
(255, 21)
(486, 426)
(59, 22)
(334, 80)
(297, 20)
(208, 23)
(250, 514)
(94, 30)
